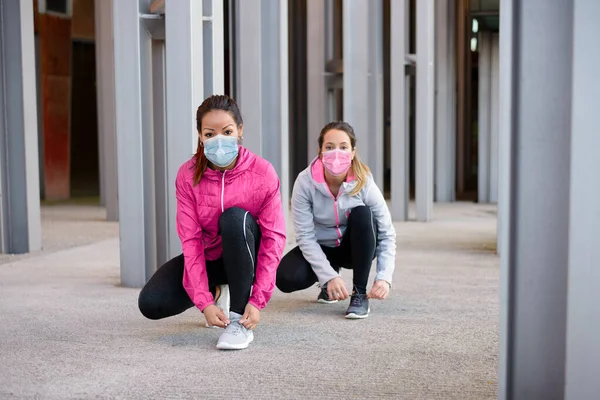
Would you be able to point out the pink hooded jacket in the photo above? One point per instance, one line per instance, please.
(252, 185)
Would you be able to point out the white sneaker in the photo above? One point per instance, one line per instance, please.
(236, 336)
(222, 301)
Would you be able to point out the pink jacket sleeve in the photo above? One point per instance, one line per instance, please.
(195, 278)
(272, 226)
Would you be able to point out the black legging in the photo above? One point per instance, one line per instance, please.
(356, 252)
(164, 295)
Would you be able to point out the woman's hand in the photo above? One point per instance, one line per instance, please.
(215, 316)
(251, 317)
(380, 290)
(336, 289)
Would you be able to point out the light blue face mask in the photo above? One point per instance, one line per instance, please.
(221, 150)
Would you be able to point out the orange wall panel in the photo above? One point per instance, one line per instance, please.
(55, 52)
(82, 23)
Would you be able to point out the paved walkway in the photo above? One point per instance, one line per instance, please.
(68, 331)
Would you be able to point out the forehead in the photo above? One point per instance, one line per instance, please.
(336, 136)
(217, 119)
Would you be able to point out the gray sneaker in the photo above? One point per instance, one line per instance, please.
(236, 336)
(359, 306)
(324, 296)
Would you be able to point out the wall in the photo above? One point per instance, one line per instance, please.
(55, 35)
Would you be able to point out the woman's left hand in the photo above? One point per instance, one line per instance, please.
(251, 317)
(380, 290)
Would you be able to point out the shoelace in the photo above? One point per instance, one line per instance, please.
(236, 328)
(357, 300)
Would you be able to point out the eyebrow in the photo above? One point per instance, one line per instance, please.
(340, 143)
(211, 129)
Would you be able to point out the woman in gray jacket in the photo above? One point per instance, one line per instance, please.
(341, 220)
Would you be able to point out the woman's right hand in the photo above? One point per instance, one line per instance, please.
(215, 316)
(336, 289)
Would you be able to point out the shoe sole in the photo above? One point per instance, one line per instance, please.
(228, 346)
(356, 316)
(323, 301)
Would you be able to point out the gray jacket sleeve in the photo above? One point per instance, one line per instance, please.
(386, 233)
(306, 238)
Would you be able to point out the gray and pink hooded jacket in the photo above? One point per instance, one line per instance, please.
(252, 185)
(321, 219)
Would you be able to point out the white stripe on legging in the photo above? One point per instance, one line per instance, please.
(246, 239)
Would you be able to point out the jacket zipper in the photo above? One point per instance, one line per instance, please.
(222, 191)
(337, 218)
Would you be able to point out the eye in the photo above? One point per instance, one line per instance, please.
(208, 134)
(328, 148)
(228, 132)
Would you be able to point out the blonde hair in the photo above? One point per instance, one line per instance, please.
(360, 170)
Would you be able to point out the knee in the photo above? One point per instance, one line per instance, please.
(148, 306)
(231, 221)
(361, 215)
(283, 282)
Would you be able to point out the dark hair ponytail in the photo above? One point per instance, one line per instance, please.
(212, 103)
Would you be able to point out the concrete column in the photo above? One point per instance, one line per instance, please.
(248, 67)
(263, 84)
(214, 48)
(425, 109)
(399, 110)
(374, 135)
(161, 179)
(445, 100)
(507, 37)
(315, 67)
(356, 45)
(483, 117)
(133, 102)
(185, 93)
(583, 321)
(275, 91)
(535, 286)
(20, 225)
(105, 73)
(494, 117)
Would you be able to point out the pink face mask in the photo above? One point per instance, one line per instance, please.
(337, 162)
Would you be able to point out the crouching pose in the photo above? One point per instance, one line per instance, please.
(341, 220)
(232, 230)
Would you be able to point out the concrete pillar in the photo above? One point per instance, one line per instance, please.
(506, 111)
(20, 225)
(162, 183)
(133, 102)
(375, 134)
(356, 42)
(534, 270)
(214, 48)
(315, 67)
(263, 84)
(494, 117)
(185, 92)
(483, 117)
(445, 100)
(399, 110)
(583, 321)
(425, 110)
(105, 87)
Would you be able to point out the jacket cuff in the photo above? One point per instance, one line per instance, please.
(256, 304)
(204, 300)
(326, 277)
(385, 278)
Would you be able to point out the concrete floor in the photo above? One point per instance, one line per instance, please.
(69, 331)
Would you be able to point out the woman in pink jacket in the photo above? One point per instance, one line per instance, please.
(232, 230)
